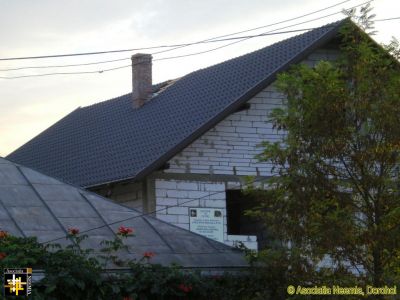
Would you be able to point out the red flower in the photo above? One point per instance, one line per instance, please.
(148, 254)
(2, 255)
(185, 288)
(3, 234)
(73, 231)
(125, 230)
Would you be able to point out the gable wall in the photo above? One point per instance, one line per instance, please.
(231, 146)
(222, 157)
(219, 160)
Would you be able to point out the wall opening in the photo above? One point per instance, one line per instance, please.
(237, 222)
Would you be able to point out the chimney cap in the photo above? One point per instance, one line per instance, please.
(141, 58)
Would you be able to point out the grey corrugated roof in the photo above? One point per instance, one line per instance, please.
(111, 141)
(32, 204)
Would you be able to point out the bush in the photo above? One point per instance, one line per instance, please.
(73, 273)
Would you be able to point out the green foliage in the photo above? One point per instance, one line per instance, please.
(336, 189)
(75, 273)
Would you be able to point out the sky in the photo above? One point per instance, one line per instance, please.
(46, 27)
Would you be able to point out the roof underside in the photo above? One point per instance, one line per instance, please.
(32, 204)
(111, 141)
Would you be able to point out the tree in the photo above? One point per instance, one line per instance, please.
(335, 193)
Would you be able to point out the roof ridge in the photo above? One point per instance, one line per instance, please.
(332, 24)
(106, 143)
(166, 82)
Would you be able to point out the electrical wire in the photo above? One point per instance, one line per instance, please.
(241, 39)
(63, 66)
(150, 213)
(260, 27)
(168, 46)
(123, 59)
(66, 73)
(165, 58)
(115, 60)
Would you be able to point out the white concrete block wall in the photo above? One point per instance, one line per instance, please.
(174, 197)
(228, 148)
(231, 146)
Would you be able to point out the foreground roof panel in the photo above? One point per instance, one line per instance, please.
(32, 204)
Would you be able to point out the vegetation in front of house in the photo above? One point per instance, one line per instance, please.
(75, 273)
(332, 211)
(333, 208)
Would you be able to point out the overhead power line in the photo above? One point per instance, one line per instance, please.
(62, 66)
(214, 39)
(239, 39)
(152, 212)
(264, 26)
(66, 73)
(167, 46)
(164, 58)
(123, 59)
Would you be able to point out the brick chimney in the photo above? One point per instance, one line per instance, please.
(141, 79)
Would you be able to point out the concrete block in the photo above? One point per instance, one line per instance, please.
(218, 195)
(243, 123)
(240, 164)
(225, 128)
(246, 173)
(215, 203)
(187, 186)
(223, 172)
(197, 194)
(189, 202)
(245, 130)
(214, 187)
(167, 201)
(243, 148)
(177, 211)
(163, 184)
(176, 194)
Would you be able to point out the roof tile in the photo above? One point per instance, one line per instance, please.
(110, 141)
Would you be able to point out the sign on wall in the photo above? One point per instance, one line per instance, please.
(208, 222)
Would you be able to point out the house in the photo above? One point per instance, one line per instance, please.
(183, 148)
(33, 204)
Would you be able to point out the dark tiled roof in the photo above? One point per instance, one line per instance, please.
(111, 141)
(32, 204)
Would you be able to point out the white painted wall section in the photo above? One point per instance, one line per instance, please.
(181, 195)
